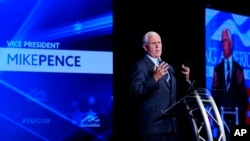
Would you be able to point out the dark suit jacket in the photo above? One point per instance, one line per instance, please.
(152, 97)
(236, 94)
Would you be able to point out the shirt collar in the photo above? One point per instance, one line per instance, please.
(155, 60)
(230, 59)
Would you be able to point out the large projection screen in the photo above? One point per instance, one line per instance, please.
(217, 20)
(56, 70)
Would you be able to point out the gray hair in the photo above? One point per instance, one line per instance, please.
(228, 33)
(145, 37)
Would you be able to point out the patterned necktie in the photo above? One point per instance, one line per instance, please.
(159, 61)
(228, 74)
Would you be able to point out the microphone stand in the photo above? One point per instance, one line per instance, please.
(179, 101)
(171, 107)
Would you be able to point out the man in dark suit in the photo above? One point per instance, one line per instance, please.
(154, 88)
(228, 88)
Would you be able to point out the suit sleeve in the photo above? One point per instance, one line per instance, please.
(241, 81)
(142, 81)
(183, 86)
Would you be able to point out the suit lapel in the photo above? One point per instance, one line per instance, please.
(149, 62)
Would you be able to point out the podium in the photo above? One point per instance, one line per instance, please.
(204, 115)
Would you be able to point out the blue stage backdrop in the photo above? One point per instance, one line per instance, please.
(56, 70)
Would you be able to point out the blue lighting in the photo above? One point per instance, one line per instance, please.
(101, 25)
(68, 100)
(248, 114)
(23, 127)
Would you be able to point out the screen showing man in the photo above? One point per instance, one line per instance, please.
(227, 64)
